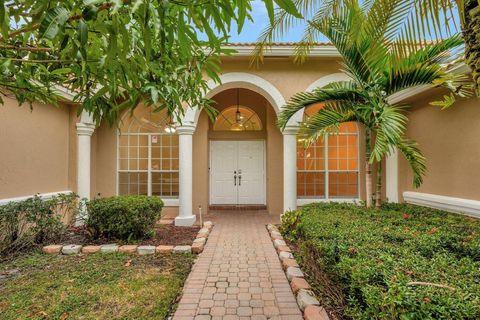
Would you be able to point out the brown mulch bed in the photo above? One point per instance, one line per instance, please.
(164, 235)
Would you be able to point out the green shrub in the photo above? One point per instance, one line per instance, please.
(401, 262)
(123, 217)
(290, 220)
(34, 221)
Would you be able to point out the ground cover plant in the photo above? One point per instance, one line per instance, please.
(98, 286)
(400, 262)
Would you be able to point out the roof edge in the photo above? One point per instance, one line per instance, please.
(284, 50)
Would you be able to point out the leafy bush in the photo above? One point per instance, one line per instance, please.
(289, 224)
(34, 221)
(123, 217)
(401, 262)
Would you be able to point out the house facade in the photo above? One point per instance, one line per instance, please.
(240, 158)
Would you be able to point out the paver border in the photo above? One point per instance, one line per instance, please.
(196, 247)
(306, 300)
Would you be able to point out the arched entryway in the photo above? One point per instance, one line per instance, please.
(193, 147)
(238, 156)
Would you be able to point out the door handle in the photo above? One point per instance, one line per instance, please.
(234, 178)
(239, 180)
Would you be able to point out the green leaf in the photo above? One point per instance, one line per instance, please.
(242, 14)
(53, 22)
(82, 32)
(445, 103)
(61, 71)
(289, 7)
(270, 10)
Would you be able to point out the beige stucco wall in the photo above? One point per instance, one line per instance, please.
(34, 149)
(104, 161)
(288, 77)
(450, 140)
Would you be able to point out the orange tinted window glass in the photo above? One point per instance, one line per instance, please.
(335, 158)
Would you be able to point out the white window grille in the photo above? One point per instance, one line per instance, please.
(329, 168)
(148, 155)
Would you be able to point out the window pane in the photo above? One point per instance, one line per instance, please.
(123, 141)
(227, 120)
(165, 184)
(343, 184)
(342, 159)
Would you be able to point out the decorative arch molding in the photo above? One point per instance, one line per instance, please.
(321, 82)
(242, 80)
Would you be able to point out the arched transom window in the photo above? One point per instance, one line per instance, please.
(148, 154)
(237, 119)
(328, 168)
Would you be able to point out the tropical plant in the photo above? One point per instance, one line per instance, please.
(433, 19)
(471, 34)
(111, 54)
(382, 58)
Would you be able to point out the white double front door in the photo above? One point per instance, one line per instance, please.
(237, 172)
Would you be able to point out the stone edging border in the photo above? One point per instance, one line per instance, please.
(196, 247)
(306, 300)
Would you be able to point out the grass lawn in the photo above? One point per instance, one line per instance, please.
(97, 286)
(400, 262)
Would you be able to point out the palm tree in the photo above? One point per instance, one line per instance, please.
(382, 57)
(471, 34)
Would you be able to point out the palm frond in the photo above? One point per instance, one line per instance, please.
(282, 23)
(340, 91)
(430, 20)
(415, 159)
(311, 34)
(389, 131)
(425, 66)
(328, 120)
(341, 28)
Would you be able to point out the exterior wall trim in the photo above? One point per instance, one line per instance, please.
(457, 205)
(304, 202)
(44, 196)
(170, 202)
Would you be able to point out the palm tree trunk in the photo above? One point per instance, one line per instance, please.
(368, 168)
(471, 30)
(378, 192)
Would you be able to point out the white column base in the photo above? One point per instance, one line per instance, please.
(185, 221)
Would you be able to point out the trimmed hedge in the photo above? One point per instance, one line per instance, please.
(401, 262)
(123, 217)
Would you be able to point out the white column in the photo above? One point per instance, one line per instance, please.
(392, 176)
(185, 213)
(290, 168)
(85, 129)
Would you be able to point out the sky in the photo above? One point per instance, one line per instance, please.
(253, 29)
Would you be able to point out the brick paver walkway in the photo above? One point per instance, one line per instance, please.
(238, 275)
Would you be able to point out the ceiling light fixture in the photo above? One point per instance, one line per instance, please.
(238, 126)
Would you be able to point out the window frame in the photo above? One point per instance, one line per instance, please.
(303, 200)
(168, 200)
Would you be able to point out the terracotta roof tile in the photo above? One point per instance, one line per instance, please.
(275, 44)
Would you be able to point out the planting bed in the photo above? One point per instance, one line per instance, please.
(400, 262)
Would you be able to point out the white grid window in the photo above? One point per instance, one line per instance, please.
(148, 155)
(328, 168)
